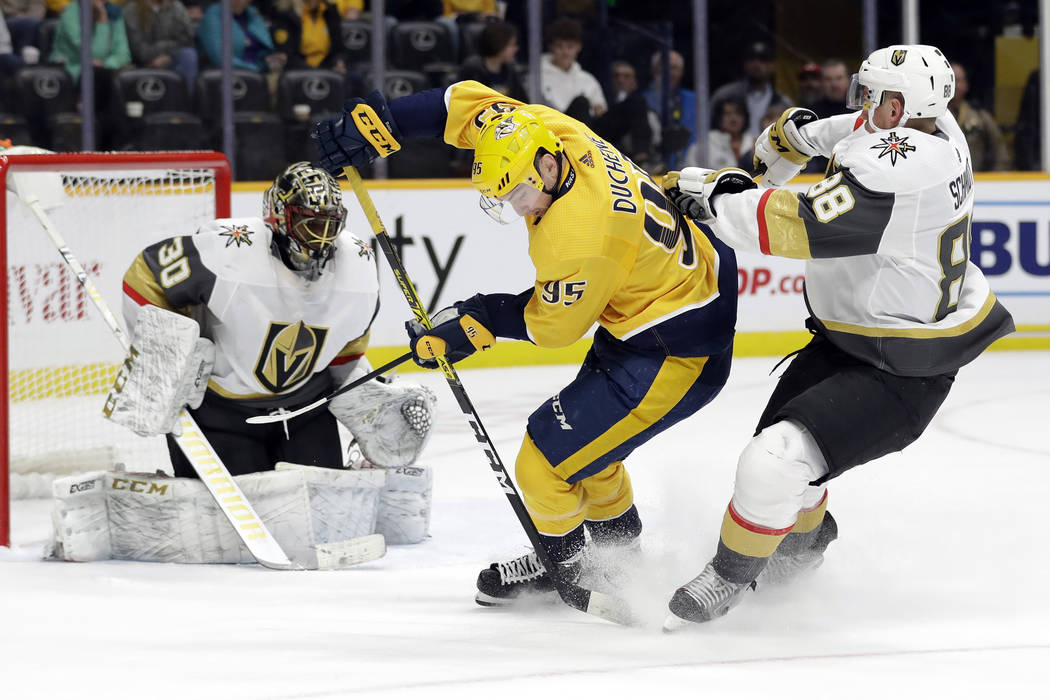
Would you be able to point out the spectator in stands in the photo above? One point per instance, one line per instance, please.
(627, 124)
(494, 66)
(22, 18)
(109, 43)
(987, 148)
(9, 61)
(678, 132)
(308, 34)
(756, 87)
(457, 12)
(55, 7)
(835, 77)
(565, 85)
(810, 84)
(252, 42)
(1028, 138)
(160, 34)
(109, 51)
(726, 144)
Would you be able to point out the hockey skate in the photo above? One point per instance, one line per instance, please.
(784, 566)
(703, 599)
(504, 583)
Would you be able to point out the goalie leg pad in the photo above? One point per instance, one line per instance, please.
(168, 367)
(390, 421)
(156, 518)
(404, 505)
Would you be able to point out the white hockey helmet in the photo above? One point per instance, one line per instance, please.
(919, 72)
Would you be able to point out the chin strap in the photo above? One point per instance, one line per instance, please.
(310, 268)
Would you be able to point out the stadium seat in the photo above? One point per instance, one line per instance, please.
(158, 89)
(324, 91)
(398, 83)
(469, 36)
(250, 93)
(357, 42)
(45, 37)
(167, 121)
(256, 129)
(424, 47)
(43, 95)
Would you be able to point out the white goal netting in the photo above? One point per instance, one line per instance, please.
(62, 356)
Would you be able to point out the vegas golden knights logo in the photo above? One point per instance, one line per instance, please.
(289, 354)
(897, 57)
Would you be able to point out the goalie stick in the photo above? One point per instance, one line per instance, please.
(603, 605)
(281, 417)
(205, 460)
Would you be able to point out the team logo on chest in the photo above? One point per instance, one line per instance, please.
(894, 147)
(239, 234)
(364, 250)
(289, 354)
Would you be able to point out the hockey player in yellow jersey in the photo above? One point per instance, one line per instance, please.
(609, 249)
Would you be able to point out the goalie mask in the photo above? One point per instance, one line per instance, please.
(918, 72)
(505, 156)
(304, 207)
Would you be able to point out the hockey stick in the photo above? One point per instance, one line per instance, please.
(281, 417)
(199, 452)
(593, 602)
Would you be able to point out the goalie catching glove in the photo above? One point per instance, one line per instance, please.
(693, 189)
(781, 151)
(390, 421)
(364, 132)
(457, 333)
(167, 367)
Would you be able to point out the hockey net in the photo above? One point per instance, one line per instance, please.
(61, 357)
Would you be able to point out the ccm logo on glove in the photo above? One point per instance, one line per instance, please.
(374, 131)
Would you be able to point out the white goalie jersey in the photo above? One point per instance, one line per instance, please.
(275, 333)
(886, 237)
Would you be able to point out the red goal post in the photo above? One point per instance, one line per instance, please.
(58, 355)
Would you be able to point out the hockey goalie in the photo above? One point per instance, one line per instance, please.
(247, 317)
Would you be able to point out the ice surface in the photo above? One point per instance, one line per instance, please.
(936, 587)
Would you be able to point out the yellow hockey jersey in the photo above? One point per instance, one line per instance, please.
(611, 249)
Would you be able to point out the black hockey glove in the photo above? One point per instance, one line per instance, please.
(459, 331)
(692, 189)
(365, 131)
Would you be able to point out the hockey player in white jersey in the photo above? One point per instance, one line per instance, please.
(896, 307)
(287, 314)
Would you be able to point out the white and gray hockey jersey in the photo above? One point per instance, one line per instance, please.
(275, 333)
(886, 237)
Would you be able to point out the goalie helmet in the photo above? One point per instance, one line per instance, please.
(918, 72)
(505, 156)
(304, 207)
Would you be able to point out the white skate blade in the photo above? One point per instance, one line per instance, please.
(532, 598)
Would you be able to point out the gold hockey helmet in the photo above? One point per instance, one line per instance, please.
(304, 207)
(506, 150)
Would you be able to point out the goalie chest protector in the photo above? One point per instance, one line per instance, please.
(272, 329)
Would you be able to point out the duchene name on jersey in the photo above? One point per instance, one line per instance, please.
(618, 178)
